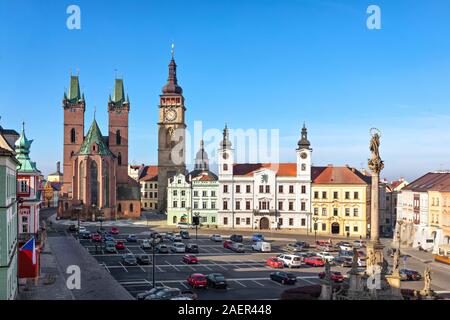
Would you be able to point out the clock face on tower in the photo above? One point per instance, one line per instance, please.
(303, 155)
(170, 115)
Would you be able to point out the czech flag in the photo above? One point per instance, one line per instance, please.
(29, 248)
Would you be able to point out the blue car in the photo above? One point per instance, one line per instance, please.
(258, 237)
(109, 237)
(132, 238)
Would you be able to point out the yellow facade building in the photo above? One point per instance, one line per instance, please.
(340, 201)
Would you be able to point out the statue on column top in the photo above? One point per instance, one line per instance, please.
(375, 163)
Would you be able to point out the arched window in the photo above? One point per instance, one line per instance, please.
(118, 138)
(119, 207)
(73, 136)
(131, 207)
(225, 167)
(119, 159)
(81, 176)
(94, 182)
(106, 182)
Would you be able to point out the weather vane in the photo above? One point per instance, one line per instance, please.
(172, 51)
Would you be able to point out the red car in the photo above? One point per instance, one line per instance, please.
(189, 259)
(197, 280)
(227, 244)
(120, 245)
(314, 261)
(335, 276)
(114, 230)
(274, 262)
(96, 237)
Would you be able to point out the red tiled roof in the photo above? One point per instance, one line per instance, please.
(434, 181)
(338, 175)
(149, 173)
(282, 169)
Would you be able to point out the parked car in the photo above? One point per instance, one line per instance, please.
(169, 236)
(290, 260)
(335, 276)
(191, 295)
(96, 237)
(184, 225)
(184, 234)
(344, 246)
(85, 235)
(274, 262)
(177, 238)
(236, 238)
(120, 245)
(197, 280)
(189, 259)
(227, 244)
(216, 238)
(191, 248)
(81, 229)
(359, 243)
(410, 275)
(101, 230)
(146, 244)
(262, 246)
(178, 247)
(109, 237)
(314, 261)
(326, 256)
(297, 246)
(114, 230)
(143, 259)
(72, 228)
(258, 237)
(162, 248)
(110, 247)
(216, 280)
(129, 259)
(327, 248)
(165, 294)
(283, 277)
(132, 238)
(343, 261)
(237, 247)
(143, 295)
(304, 255)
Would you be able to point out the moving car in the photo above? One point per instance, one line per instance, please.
(236, 238)
(120, 245)
(132, 238)
(114, 230)
(165, 294)
(110, 246)
(184, 234)
(343, 261)
(191, 248)
(216, 238)
(325, 256)
(261, 246)
(290, 260)
(197, 280)
(274, 262)
(336, 276)
(189, 259)
(146, 244)
(162, 248)
(410, 275)
(314, 261)
(237, 247)
(227, 244)
(96, 237)
(283, 277)
(142, 295)
(216, 280)
(258, 237)
(143, 259)
(178, 247)
(129, 259)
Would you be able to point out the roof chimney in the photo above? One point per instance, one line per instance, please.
(58, 166)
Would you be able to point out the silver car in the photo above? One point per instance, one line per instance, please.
(178, 247)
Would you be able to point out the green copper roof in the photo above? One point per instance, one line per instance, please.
(23, 146)
(74, 89)
(94, 135)
(119, 92)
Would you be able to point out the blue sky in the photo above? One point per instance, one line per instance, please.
(250, 63)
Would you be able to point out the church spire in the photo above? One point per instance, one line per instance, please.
(225, 143)
(201, 160)
(172, 86)
(304, 142)
(22, 147)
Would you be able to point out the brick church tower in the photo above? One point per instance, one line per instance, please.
(118, 110)
(74, 108)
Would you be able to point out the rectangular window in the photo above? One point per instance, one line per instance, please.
(335, 195)
(183, 193)
(347, 195)
(225, 188)
(347, 228)
(316, 195)
(213, 219)
(267, 189)
(238, 205)
(316, 211)
(238, 189)
(291, 189)
(324, 211)
(280, 189)
(324, 227)
(355, 228)
(183, 204)
(213, 205)
(280, 205)
(175, 193)
(195, 193)
(356, 195)
(335, 212)
(280, 221)
(213, 193)
(248, 188)
(225, 220)
(303, 222)
(355, 212)
(247, 221)
(324, 194)
(175, 204)
(347, 212)
(225, 205)
(238, 221)
(247, 205)
(291, 221)
(303, 206)
(195, 205)
(303, 189)
(291, 206)
(204, 205)
(261, 189)
(204, 193)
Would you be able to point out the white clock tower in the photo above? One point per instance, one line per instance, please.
(304, 152)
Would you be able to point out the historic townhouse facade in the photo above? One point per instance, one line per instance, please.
(392, 191)
(8, 217)
(195, 194)
(265, 195)
(340, 201)
(149, 188)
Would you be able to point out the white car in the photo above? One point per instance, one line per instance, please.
(261, 246)
(82, 229)
(178, 247)
(325, 256)
(184, 225)
(290, 260)
(146, 244)
(359, 243)
(216, 238)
